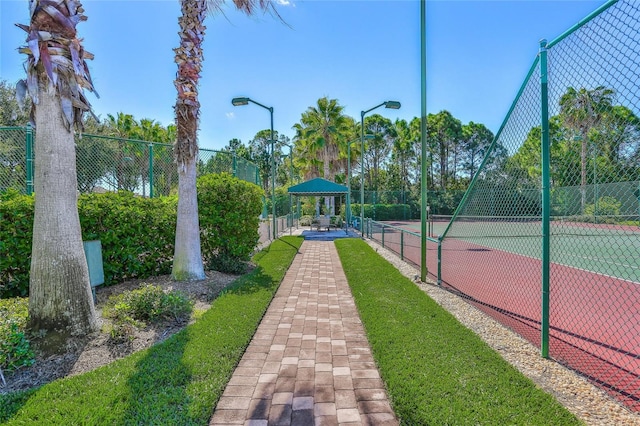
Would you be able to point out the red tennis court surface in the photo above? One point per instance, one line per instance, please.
(594, 319)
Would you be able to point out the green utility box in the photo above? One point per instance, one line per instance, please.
(93, 253)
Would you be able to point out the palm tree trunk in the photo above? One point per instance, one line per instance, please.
(187, 259)
(59, 290)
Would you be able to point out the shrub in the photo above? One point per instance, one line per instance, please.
(607, 206)
(305, 220)
(227, 264)
(148, 303)
(383, 211)
(15, 351)
(228, 210)
(133, 309)
(137, 234)
(16, 227)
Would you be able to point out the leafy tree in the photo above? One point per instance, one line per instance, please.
(443, 132)
(476, 139)
(582, 110)
(94, 161)
(403, 153)
(12, 142)
(57, 74)
(617, 144)
(187, 260)
(378, 148)
(11, 114)
(260, 153)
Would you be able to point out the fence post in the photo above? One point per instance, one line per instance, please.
(383, 237)
(29, 158)
(546, 198)
(401, 245)
(439, 261)
(150, 170)
(234, 165)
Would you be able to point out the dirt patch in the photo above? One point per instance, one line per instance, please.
(93, 351)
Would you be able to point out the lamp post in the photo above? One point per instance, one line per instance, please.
(349, 176)
(245, 101)
(387, 104)
(290, 179)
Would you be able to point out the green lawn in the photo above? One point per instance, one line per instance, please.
(437, 372)
(177, 382)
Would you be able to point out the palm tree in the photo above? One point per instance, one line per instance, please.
(187, 260)
(582, 110)
(59, 290)
(321, 128)
(318, 137)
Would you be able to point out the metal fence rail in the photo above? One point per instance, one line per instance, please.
(105, 163)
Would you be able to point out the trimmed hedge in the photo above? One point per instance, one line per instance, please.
(383, 211)
(137, 234)
(16, 227)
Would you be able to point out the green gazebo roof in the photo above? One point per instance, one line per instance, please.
(318, 186)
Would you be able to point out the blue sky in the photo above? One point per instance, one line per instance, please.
(359, 52)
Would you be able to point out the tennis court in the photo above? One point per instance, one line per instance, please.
(496, 265)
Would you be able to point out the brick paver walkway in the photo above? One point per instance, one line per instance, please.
(309, 361)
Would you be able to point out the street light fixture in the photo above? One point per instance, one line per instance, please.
(387, 104)
(245, 101)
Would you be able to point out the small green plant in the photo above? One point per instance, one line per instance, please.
(15, 351)
(227, 264)
(133, 309)
(306, 220)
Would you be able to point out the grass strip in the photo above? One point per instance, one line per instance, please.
(177, 382)
(437, 371)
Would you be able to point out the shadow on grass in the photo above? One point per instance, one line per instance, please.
(10, 404)
(271, 248)
(176, 382)
(158, 388)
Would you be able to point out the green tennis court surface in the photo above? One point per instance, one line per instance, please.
(600, 248)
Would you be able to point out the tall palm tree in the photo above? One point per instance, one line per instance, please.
(321, 127)
(318, 136)
(582, 110)
(187, 260)
(57, 74)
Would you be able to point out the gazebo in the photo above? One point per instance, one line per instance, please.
(318, 187)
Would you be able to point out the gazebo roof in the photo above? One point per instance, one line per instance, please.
(318, 186)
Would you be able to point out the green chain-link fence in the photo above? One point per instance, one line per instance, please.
(547, 238)
(107, 163)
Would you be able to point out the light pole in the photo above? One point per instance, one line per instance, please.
(348, 215)
(387, 104)
(245, 101)
(291, 180)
